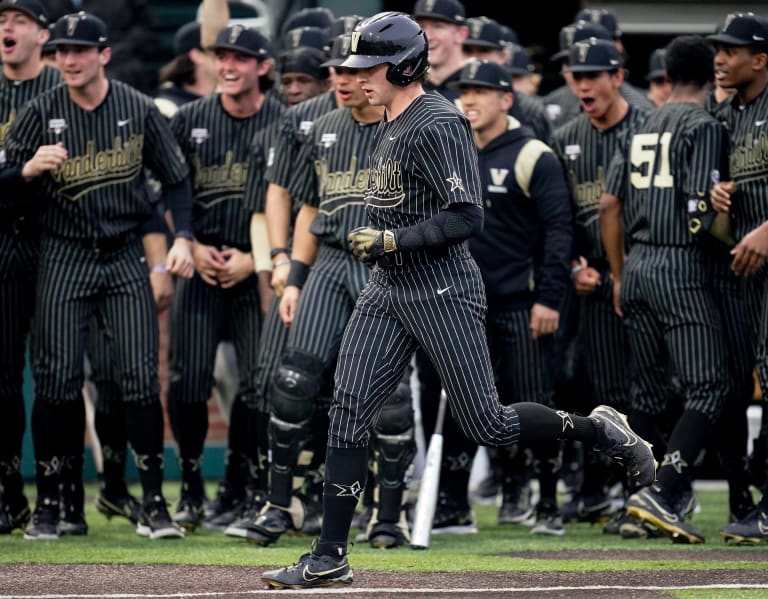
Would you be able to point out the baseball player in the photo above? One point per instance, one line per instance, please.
(659, 188)
(23, 25)
(445, 25)
(87, 143)
(217, 135)
(423, 202)
(659, 86)
(741, 63)
(301, 74)
(524, 255)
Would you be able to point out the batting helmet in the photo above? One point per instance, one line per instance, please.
(391, 38)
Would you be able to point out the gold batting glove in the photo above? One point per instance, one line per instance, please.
(368, 245)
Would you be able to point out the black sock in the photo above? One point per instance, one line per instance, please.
(546, 465)
(237, 445)
(58, 431)
(688, 438)
(539, 423)
(11, 436)
(191, 428)
(144, 425)
(110, 427)
(457, 461)
(346, 470)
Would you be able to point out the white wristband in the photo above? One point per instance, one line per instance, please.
(159, 268)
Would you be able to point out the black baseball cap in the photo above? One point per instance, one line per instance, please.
(339, 51)
(578, 32)
(32, 8)
(451, 11)
(594, 55)
(600, 16)
(187, 38)
(341, 26)
(303, 60)
(80, 29)
(656, 68)
(304, 37)
(483, 73)
(742, 29)
(484, 32)
(508, 35)
(243, 39)
(518, 63)
(320, 17)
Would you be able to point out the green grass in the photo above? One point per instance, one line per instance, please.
(116, 542)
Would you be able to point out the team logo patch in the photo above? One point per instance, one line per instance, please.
(271, 156)
(570, 35)
(583, 51)
(199, 135)
(72, 25)
(456, 182)
(354, 490)
(327, 140)
(354, 41)
(567, 420)
(573, 151)
(498, 177)
(459, 462)
(675, 460)
(234, 33)
(305, 127)
(57, 126)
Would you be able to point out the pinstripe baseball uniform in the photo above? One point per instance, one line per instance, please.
(19, 239)
(586, 152)
(224, 154)
(562, 105)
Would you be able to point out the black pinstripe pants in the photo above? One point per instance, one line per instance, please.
(673, 325)
(440, 306)
(757, 311)
(274, 336)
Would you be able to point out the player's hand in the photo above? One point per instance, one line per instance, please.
(544, 321)
(617, 297)
(238, 266)
(47, 158)
(280, 277)
(586, 280)
(366, 244)
(288, 304)
(162, 289)
(750, 253)
(208, 262)
(720, 195)
(180, 261)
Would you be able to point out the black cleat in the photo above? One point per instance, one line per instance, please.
(73, 525)
(122, 506)
(189, 513)
(44, 525)
(155, 522)
(516, 505)
(311, 571)
(752, 530)
(648, 505)
(617, 440)
(224, 509)
(388, 535)
(269, 526)
(249, 511)
(588, 508)
(11, 519)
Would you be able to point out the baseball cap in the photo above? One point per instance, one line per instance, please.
(243, 39)
(656, 68)
(319, 17)
(600, 16)
(304, 37)
(518, 63)
(508, 35)
(32, 8)
(594, 55)
(80, 29)
(483, 32)
(742, 29)
(186, 38)
(303, 60)
(483, 73)
(341, 26)
(578, 32)
(339, 51)
(451, 11)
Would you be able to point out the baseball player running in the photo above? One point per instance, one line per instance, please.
(423, 202)
(87, 143)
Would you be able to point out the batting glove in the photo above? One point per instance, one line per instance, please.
(368, 245)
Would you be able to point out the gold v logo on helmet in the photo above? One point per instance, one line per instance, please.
(355, 40)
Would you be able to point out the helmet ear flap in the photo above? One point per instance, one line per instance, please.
(408, 71)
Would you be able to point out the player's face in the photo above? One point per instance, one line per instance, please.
(348, 90)
(735, 66)
(81, 66)
(596, 91)
(22, 37)
(659, 90)
(445, 40)
(298, 87)
(484, 107)
(376, 88)
(484, 53)
(238, 72)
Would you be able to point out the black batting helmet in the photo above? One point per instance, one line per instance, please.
(392, 38)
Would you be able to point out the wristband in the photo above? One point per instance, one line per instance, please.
(298, 274)
(183, 234)
(281, 262)
(276, 252)
(159, 268)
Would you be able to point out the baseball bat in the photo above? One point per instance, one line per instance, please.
(430, 481)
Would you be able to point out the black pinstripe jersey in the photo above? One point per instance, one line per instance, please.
(261, 158)
(296, 123)
(748, 161)
(216, 146)
(422, 162)
(665, 172)
(99, 191)
(332, 174)
(586, 152)
(530, 112)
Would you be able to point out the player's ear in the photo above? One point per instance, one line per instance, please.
(105, 55)
(759, 61)
(43, 35)
(264, 67)
(507, 99)
(463, 32)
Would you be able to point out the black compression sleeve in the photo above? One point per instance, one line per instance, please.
(155, 223)
(11, 182)
(454, 225)
(178, 199)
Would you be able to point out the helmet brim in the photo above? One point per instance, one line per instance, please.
(362, 61)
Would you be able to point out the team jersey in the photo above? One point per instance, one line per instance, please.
(216, 146)
(529, 111)
(586, 153)
(422, 162)
(562, 105)
(748, 162)
(99, 191)
(332, 174)
(665, 174)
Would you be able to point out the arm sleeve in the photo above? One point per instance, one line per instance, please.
(549, 192)
(178, 199)
(155, 223)
(448, 227)
(303, 184)
(161, 151)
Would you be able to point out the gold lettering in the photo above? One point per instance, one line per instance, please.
(750, 158)
(230, 175)
(5, 127)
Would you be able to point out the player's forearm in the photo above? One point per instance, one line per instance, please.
(259, 243)
(448, 227)
(278, 217)
(155, 249)
(305, 244)
(612, 232)
(214, 17)
(178, 200)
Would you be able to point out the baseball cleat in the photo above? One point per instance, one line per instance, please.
(648, 505)
(311, 571)
(155, 522)
(122, 506)
(44, 525)
(752, 530)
